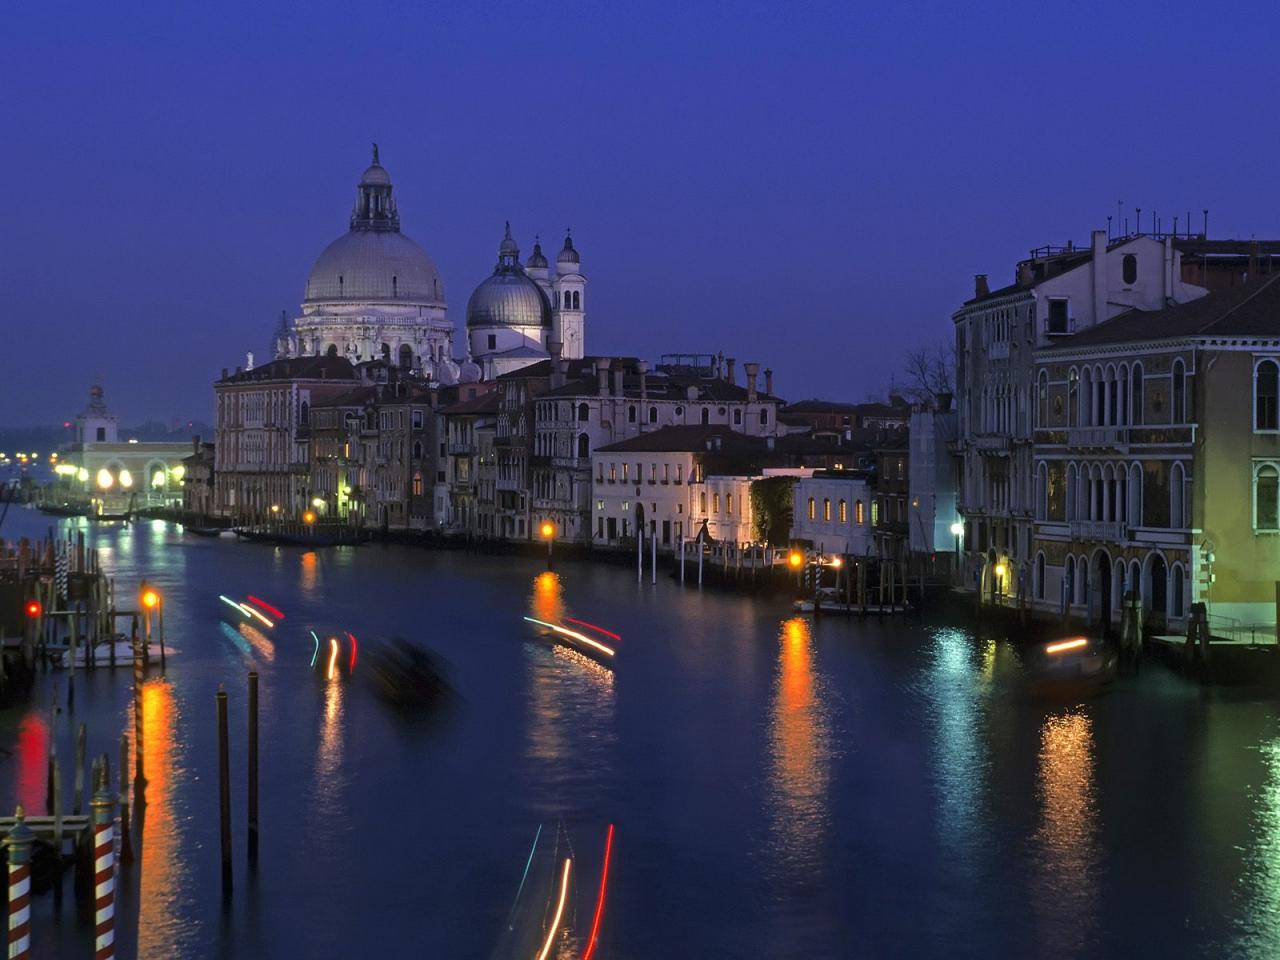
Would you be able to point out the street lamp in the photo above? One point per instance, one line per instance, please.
(309, 517)
(105, 479)
(548, 531)
(126, 479)
(957, 531)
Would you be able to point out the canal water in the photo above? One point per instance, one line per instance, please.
(778, 788)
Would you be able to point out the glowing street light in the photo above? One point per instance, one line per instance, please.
(150, 599)
(309, 517)
(105, 480)
(275, 508)
(957, 529)
(796, 559)
(318, 503)
(548, 532)
(82, 475)
(157, 479)
(126, 479)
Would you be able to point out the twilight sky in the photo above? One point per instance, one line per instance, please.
(808, 185)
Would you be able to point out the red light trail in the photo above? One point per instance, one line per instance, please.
(592, 626)
(604, 879)
(279, 614)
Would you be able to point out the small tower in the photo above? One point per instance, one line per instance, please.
(282, 342)
(95, 424)
(538, 268)
(568, 296)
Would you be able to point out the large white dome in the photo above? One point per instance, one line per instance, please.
(375, 265)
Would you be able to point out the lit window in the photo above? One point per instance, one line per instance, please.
(875, 513)
(844, 512)
(812, 513)
(858, 513)
(626, 472)
(826, 509)
(728, 503)
(715, 503)
(417, 483)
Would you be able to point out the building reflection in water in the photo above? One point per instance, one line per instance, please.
(799, 755)
(162, 874)
(1066, 906)
(309, 580)
(32, 748)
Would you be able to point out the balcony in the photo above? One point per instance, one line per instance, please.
(1111, 531)
(992, 443)
(461, 448)
(1106, 438)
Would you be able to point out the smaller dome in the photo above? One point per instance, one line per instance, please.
(469, 371)
(508, 298)
(375, 176)
(508, 248)
(568, 254)
(537, 259)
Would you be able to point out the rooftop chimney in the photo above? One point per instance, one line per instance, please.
(618, 374)
(554, 347)
(768, 382)
(980, 286)
(224, 373)
(602, 375)
(728, 368)
(752, 371)
(643, 368)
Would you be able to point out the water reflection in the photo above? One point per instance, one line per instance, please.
(162, 877)
(1066, 906)
(960, 757)
(800, 754)
(571, 709)
(1262, 866)
(329, 784)
(309, 577)
(261, 644)
(32, 750)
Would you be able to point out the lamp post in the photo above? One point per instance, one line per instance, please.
(548, 531)
(957, 531)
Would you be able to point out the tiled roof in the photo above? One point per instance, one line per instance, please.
(297, 368)
(680, 439)
(485, 403)
(1251, 310)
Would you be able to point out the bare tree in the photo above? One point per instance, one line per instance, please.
(929, 371)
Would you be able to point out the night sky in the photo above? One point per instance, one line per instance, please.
(811, 186)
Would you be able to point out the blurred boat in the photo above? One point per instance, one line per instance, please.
(1071, 667)
(407, 676)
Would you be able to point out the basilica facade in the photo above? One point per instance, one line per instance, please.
(375, 294)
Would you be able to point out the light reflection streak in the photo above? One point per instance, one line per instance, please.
(329, 784)
(258, 640)
(1066, 906)
(316, 652)
(235, 606)
(255, 614)
(333, 656)
(960, 758)
(591, 626)
(234, 635)
(1261, 933)
(555, 924)
(161, 924)
(309, 578)
(800, 754)
(574, 635)
(548, 597)
(32, 748)
(258, 601)
(604, 880)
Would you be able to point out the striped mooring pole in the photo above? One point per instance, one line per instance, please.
(19, 843)
(104, 872)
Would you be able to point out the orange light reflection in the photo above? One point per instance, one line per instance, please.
(159, 926)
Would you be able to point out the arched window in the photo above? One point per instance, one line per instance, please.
(568, 301)
(1086, 398)
(631, 414)
(1042, 491)
(1266, 388)
(826, 509)
(653, 414)
(417, 449)
(1042, 400)
(1179, 588)
(584, 413)
(858, 515)
(1176, 497)
(417, 483)
(844, 512)
(737, 417)
(812, 509)
(706, 416)
(304, 413)
(1266, 509)
(331, 350)
(1179, 390)
(1039, 584)
(1069, 580)
(406, 356)
(577, 300)
(584, 446)
(1073, 396)
(1135, 396)
(1129, 268)
(1082, 581)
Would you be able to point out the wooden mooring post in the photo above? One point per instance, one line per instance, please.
(253, 770)
(224, 792)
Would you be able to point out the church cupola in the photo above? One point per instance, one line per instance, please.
(375, 208)
(567, 260)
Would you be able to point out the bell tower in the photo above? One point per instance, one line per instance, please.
(568, 295)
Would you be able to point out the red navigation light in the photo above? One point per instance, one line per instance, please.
(279, 614)
(34, 609)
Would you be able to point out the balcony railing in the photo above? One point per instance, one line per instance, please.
(1112, 531)
(1106, 437)
(991, 443)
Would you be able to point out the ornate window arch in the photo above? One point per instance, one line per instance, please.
(1266, 394)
